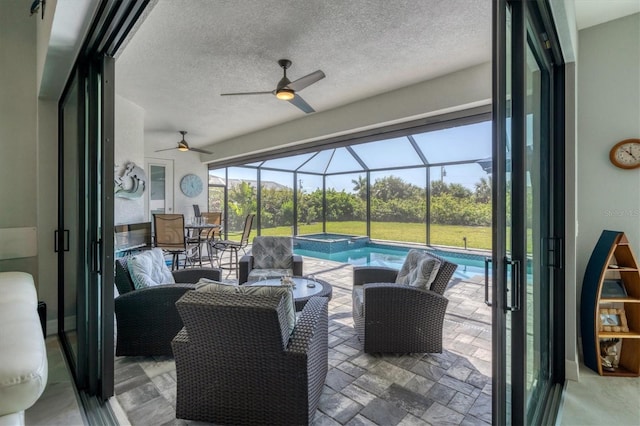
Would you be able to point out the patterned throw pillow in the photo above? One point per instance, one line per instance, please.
(419, 269)
(425, 273)
(210, 286)
(275, 290)
(148, 269)
(409, 265)
(272, 253)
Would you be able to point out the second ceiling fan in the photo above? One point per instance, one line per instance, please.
(286, 90)
(184, 146)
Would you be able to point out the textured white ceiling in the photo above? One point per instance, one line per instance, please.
(187, 52)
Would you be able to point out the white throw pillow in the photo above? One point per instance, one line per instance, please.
(148, 269)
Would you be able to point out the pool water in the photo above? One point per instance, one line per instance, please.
(393, 257)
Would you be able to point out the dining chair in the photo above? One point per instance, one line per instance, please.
(234, 246)
(170, 237)
(207, 235)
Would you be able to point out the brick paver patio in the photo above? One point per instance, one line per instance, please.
(361, 389)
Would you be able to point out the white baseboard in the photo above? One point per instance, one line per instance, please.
(571, 370)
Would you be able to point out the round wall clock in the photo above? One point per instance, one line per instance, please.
(191, 185)
(626, 154)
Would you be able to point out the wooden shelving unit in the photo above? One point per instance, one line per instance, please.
(612, 260)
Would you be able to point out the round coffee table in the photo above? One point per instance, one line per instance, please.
(301, 291)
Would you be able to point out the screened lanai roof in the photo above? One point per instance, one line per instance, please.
(465, 143)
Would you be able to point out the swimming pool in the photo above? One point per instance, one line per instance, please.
(375, 254)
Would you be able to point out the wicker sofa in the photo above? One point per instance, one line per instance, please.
(147, 318)
(237, 364)
(399, 318)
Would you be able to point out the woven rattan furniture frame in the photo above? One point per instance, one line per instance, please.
(399, 318)
(236, 363)
(147, 319)
(246, 263)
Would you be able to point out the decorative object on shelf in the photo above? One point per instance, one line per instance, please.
(626, 154)
(613, 289)
(610, 308)
(191, 185)
(130, 180)
(613, 320)
(609, 354)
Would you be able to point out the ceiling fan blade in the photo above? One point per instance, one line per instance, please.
(302, 104)
(247, 93)
(166, 149)
(305, 81)
(200, 150)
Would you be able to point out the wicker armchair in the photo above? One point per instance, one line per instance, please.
(399, 318)
(237, 364)
(270, 257)
(147, 318)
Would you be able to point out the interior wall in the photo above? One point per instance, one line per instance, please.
(453, 92)
(18, 125)
(184, 163)
(608, 112)
(129, 147)
(47, 209)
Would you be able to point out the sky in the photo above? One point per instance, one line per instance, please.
(462, 143)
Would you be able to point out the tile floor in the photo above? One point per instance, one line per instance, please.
(58, 404)
(421, 389)
(449, 388)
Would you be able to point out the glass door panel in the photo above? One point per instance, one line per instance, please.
(537, 210)
(524, 214)
(69, 237)
(159, 198)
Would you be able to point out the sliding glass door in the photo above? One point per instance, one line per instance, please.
(527, 275)
(85, 233)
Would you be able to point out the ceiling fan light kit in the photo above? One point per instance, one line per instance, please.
(285, 94)
(286, 90)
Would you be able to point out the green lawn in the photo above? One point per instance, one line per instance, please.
(478, 237)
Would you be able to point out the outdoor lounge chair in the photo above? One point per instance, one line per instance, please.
(238, 363)
(400, 318)
(271, 257)
(147, 318)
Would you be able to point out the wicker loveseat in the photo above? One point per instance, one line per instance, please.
(236, 362)
(399, 318)
(147, 318)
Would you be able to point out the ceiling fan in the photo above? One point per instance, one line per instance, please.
(184, 146)
(286, 90)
